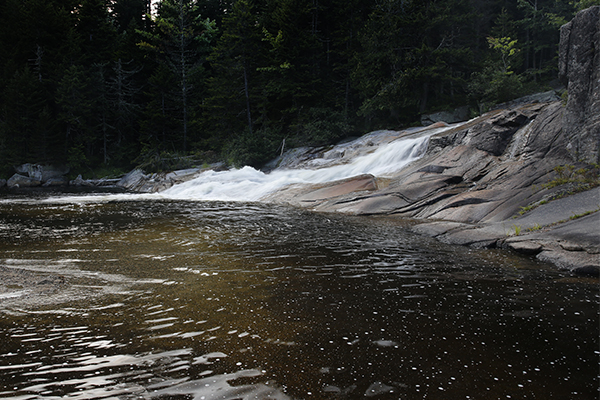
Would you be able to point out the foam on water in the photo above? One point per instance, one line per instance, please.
(377, 153)
(249, 184)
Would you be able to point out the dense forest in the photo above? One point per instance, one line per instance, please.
(104, 85)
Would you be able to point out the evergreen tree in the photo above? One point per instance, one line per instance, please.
(348, 19)
(97, 32)
(32, 52)
(127, 13)
(182, 38)
(111, 92)
(540, 33)
(23, 135)
(122, 92)
(234, 62)
(295, 58)
(412, 49)
(157, 123)
(75, 113)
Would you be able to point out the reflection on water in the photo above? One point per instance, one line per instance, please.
(164, 299)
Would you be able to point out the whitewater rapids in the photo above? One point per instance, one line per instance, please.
(248, 184)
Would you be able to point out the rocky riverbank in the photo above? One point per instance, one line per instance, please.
(505, 179)
(487, 184)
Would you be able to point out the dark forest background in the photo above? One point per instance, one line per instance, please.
(105, 85)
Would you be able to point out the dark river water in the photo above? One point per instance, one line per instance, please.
(148, 298)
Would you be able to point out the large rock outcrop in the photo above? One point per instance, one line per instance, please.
(579, 71)
(479, 172)
(31, 175)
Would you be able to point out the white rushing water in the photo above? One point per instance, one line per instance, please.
(249, 184)
(380, 153)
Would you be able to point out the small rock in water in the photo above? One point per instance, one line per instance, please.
(378, 388)
(386, 343)
(525, 247)
(331, 389)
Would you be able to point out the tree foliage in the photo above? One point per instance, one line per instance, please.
(111, 83)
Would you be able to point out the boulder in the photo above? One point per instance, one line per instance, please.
(19, 181)
(58, 181)
(457, 115)
(2, 182)
(138, 181)
(524, 246)
(50, 172)
(42, 173)
(79, 181)
(579, 71)
(34, 171)
(133, 180)
(182, 175)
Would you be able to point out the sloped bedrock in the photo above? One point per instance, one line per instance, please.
(404, 197)
(491, 132)
(494, 187)
(315, 195)
(533, 130)
(494, 135)
(546, 136)
(497, 196)
(368, 205)
(356, 184)
(457, 180)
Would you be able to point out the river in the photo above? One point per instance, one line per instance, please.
(119, 297)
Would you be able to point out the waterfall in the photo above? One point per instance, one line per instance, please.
(249, 184)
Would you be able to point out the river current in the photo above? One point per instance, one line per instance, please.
(170, 299)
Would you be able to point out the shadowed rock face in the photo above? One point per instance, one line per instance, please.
(579, 70)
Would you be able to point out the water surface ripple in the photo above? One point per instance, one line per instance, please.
(146, 299)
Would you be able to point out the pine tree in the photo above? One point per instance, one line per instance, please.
(411, 50)
(181, 39)
(540, 24)
(23, 138)
(157, 124)
(75, 113)
(122, 92)
(234, 61)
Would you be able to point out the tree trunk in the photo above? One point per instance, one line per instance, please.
(164, 117)
(247, 93)
(183, 75)
(105, 139)
(423, 105)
